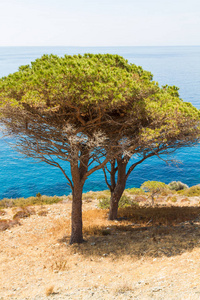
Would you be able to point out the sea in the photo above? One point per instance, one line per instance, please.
(179, 66)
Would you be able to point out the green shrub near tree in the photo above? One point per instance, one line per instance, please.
(177, 186)
(154, 188)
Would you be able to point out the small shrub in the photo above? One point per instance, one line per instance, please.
(136, 191)
(49, 291)
(173, 199)
(4, 224)
(154, 188)
(125, 201)
(2, 212)
(22, 202)
(23, 212)
(191, 192)
(60, 265)
(164, 193)
(177, 186)
(139, 199)
(102, 194)
(6, 203)
(185, 200)
(7, 224)
(122, 289)
(104, 203)
(38, 195)
(42, 213)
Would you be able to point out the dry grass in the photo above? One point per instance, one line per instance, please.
(49, 290)
(144, 244)
(7, 224)
(143, 232)
(89, 196)
(23, 212)
(185, 200)
(23, 202)
(123, 288)
(2, 212)
(60, 265)
(42, 212)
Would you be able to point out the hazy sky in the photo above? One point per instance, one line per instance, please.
(99, 22)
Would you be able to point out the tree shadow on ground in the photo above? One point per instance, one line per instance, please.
(149, 232)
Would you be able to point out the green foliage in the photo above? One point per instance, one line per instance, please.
(124, 201)
(177, 186)
(172, 199)
(191, 192)
(86, 79)
(104, 203)
(75, 84)
(154, 187)
(22, 202)
(135, 191)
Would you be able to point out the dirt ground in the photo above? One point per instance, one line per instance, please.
(122, 259)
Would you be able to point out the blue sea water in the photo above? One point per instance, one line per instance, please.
(180, 66)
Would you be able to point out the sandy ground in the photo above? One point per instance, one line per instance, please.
(36, 263)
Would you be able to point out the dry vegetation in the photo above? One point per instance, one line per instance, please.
(148, 253)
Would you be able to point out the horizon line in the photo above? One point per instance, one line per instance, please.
(100, 46)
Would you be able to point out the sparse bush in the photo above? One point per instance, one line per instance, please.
(173, 199)
(191, 192)
(38, 195)
(24, 202)
(49, 290)
(136, 191)
(185, 200)
(59, 265)
(122, 289)
(22, 213)
(139, 199)
(7, 224)
(125, 201)
(154, 188)
(104, 203)
(42, 213)
(4, 224)
(5, 203)
(102, 194)
(177, 186)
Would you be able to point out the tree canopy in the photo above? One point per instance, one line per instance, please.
(88, 110)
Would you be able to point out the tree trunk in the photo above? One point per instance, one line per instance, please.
(114, 202)
(76, 216)
(117, 192)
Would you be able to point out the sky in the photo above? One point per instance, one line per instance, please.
(99, 22)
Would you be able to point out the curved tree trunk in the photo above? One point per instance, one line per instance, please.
(118, 190)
